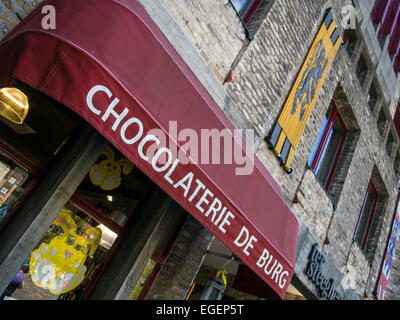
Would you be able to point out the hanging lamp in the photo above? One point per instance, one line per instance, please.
(14, 105)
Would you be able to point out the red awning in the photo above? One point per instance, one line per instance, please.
(109, 54)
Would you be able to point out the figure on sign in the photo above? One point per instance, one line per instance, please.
(307, 87)
(107, 173)
(59, 266)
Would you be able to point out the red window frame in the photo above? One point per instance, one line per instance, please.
(335, 115)
(249, 12)
(370, 188)
(36, 172)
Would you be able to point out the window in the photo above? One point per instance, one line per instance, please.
(385, 17)
(373, 96)
(245, 8)
(113, 186)
(350, 39)
(15, 182)
(361, 69)
(366, 216)
(328, 146)
(378, 11)
(382, 121)
(396, 163)
(252, 13)
(396, 119)
(87, 231)
(389, 144)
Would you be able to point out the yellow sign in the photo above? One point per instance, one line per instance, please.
(287, 133)
(59, 266)
(107, 173)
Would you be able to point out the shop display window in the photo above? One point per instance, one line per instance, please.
(15, 182)
(68, 258)
(72, 254)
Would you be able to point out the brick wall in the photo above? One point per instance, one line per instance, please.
(12, 12)
(213, 27)
(182, 264)
(259, 88)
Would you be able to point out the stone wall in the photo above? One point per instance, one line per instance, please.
(313, 206)
(12, 12)
(213, 27)
(182, 264)
(259, 89)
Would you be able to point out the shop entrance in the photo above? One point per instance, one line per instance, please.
(96, 228)
(73, 252)
(222, 276)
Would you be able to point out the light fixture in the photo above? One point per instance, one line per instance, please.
(107, 236)
(14, 104)
(110, 198)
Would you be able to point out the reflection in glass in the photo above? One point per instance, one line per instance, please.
(242, 6)
(319, 137)
(329, 152)
(68, 257)
(326, 149)
(58, 264)
(14, 181)
(146, 273)
(107, 237)
(365, 217)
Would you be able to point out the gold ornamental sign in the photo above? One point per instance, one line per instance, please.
(287, 132)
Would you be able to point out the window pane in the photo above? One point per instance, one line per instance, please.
(329, 152)
(146, 273)
(242, 6)
(68, 257)
(14, 181)
(319, 137)
(365, 216)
